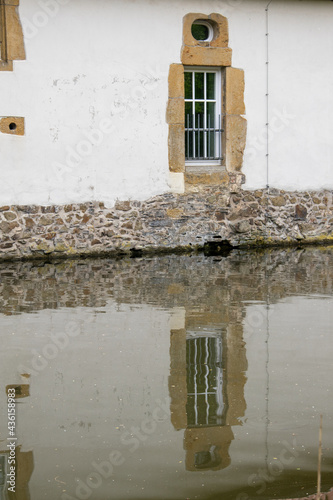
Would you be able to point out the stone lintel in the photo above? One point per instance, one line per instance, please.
(203, 56)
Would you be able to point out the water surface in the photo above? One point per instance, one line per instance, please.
(168, 378)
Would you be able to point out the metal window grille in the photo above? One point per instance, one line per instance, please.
(202, 142)
(203, 122)
(205, 388)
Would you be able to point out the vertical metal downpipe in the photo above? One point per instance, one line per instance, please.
(267, 111)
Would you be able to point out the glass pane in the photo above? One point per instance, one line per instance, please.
(211, 86)
(188, 114)
(200, 31)
(211, 114)
(188, 85)
(211, 144)
(199, 114)
(199, 85)
(199, 144)
(189, 135)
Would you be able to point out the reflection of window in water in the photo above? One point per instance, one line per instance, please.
(206, 392)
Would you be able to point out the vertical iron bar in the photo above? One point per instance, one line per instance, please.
(195, 383)
(209, 137)
(193, 114)
(199, 136)
(207, 381)
(219, 136)
(205, 117)
(188, 136)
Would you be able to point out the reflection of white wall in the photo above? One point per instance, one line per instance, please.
(108, 379)
(289, 356)
(83, 67)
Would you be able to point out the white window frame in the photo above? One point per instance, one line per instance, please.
(218, 111)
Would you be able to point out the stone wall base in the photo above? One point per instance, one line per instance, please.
(167, 222)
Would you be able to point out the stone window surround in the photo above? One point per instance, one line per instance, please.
(207, 53)
(11, 35)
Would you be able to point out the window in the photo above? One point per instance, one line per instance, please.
(202, 31)
(203, 130)
(206, 396)
(207, 132)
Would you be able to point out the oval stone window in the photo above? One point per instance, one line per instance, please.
(202, 31)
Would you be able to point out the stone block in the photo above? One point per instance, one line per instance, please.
(300, 212)
(175, 111)
(10, 216)
(236, 127)
(123, 206)
(175, 213)
(176, 148)
(15, 43)
(176, 81)
(234, 95)
(195, 181)
(202, 56)
(45, 221)
(278, 201)
(220, 28)
(7, 227)
(12, 125)
(6, 66)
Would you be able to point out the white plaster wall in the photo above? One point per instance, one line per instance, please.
(300, 92)
(91, 61)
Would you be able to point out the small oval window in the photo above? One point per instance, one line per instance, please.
(202, 31)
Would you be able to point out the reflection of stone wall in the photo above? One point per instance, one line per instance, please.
(165, 222)
(170, 281)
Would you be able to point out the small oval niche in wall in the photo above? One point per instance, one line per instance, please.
(13, 125)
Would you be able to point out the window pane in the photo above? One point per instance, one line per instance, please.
(200, 31)
(211, 86)
(189, 135)
(199, 85)
(210, 114)
(199, 114)
(188, 114)
(188, 85)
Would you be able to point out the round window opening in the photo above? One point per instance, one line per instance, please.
(202, 31)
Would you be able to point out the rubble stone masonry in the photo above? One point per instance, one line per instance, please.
(169, 222)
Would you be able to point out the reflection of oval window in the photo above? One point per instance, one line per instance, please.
(202, 31)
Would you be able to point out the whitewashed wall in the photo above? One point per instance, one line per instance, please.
(102, 66)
